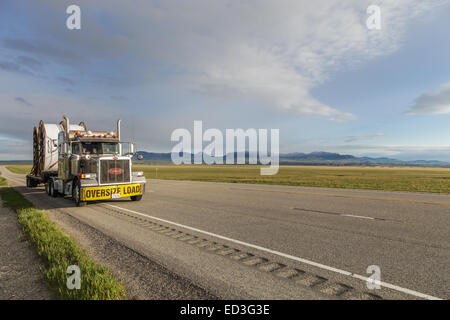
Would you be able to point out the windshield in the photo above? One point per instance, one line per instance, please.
(100, 148)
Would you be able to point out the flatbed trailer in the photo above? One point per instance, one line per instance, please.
(34, 180)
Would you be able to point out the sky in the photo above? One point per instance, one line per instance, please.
(311, 69)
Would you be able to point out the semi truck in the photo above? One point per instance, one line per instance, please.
(87, 165)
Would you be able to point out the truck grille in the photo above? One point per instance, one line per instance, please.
(114, 171)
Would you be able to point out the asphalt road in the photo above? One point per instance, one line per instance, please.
(280, 242)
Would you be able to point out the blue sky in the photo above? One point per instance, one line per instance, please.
(310, 69)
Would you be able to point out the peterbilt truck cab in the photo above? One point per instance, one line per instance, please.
(94, 165)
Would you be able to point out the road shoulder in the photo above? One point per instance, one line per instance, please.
(20, 275)
(143, 278)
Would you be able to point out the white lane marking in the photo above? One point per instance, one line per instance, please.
(285, 255)
(354, 216)
(337, 214)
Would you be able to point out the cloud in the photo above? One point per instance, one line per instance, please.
(13, 67)
(271, 53)
(29, 62)
(363, 137)
(9, 66)
(21, 65)
(18, 119)
(65, 80)
(437, 102)
(22, 100)
(257, 53)
(42, 48)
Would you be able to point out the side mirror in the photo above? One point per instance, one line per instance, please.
(140, 157)
(130, 149)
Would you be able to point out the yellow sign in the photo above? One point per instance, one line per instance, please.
(112, 192)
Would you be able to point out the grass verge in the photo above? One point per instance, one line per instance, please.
(58, 251)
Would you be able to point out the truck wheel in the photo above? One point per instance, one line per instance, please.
(76, 195)
(53, 192)
(28, 183)
(136, 198)
(47, 188)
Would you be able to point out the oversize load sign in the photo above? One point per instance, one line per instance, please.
(112, 192)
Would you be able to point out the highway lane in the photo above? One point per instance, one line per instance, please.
(327, 230)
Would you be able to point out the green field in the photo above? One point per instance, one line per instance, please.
(375, 178)
(400, 179)
(19, 168)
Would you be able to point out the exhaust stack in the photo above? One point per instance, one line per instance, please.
(118, 136)
(67, 126)
(118, 128)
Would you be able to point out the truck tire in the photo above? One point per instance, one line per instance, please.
(76, 195)
(53, 192)
(28, 183)
(136, 198)
(47, 188)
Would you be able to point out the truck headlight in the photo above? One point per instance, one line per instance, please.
(88, 176)
(139, 173)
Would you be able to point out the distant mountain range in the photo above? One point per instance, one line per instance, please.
(313, 158)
